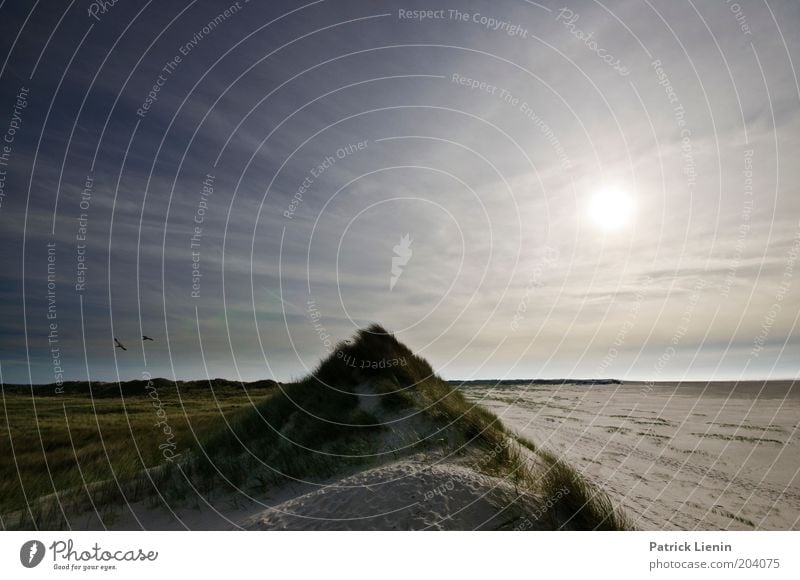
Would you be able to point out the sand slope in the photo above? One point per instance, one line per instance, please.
(404, 495)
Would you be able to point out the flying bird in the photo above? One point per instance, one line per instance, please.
(146, 338)
(118, 344)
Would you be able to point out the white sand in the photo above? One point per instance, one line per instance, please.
(688, 457)
(405, 495)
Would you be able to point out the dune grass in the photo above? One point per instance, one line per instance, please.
(312, 429)
(578, 504)
(575, 502)
(307, 429)
(581, 505)
(315, 427)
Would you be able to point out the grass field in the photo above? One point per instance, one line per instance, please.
(52, 441)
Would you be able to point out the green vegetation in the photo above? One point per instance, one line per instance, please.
(53, 442)
(582, 505)
(250, 438)
(578, 504)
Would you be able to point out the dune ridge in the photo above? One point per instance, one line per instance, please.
(371, 439)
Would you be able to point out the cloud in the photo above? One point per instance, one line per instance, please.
(491, 184)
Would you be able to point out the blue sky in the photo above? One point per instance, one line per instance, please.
(326, 132)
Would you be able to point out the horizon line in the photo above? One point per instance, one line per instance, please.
(4, 384)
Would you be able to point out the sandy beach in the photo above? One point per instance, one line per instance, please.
(702, 456)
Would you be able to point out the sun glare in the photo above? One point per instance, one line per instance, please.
(610, 209)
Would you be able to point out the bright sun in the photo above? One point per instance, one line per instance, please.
(611, 208)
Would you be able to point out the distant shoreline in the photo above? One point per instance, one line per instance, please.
(468, 382)
(512, 382)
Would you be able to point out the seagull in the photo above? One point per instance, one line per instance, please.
(118, 344)
(146, 338)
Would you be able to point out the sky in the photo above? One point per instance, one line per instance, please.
(516, 189)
